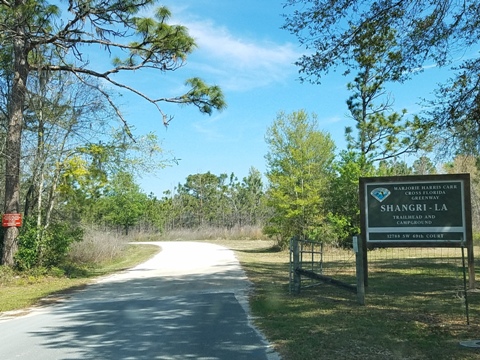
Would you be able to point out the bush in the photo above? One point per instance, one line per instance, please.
(40, 247)
(27, 255)
(59, 238)
(341, 230)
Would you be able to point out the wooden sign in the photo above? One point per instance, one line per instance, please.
(12, 220)
(431, 210)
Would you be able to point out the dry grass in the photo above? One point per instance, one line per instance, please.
(98, 247)
(211, 233)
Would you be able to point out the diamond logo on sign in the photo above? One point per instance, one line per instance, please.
(380, 194)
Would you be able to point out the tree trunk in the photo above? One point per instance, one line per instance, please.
(13, 145)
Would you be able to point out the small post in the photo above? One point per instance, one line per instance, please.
(358, 249)
(296, 264)
(465, 292)
(471, 265)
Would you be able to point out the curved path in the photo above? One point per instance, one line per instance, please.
(187, 302)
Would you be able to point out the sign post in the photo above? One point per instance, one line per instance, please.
(358, 249)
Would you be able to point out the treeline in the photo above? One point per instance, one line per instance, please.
(203, 201)
(216, 201)
(308, 190)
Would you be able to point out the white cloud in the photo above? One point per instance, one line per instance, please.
(333, 119)
(238, 63)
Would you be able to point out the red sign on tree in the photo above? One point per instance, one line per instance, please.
(12, 220)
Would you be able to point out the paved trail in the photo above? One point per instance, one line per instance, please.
(187, 302)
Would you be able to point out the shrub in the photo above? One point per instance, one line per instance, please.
(59, 238)
(40, 247)
(27, 255)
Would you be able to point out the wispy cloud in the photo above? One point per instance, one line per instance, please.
(208, 130)
(332, 119)
(238, 63)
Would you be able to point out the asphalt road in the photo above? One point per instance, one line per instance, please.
(187, 302)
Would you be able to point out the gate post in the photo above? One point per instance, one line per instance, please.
(358, 248)
(296, 265)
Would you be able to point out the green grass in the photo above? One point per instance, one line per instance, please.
(410, 312)
(21, 290)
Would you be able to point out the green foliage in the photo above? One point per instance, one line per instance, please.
(396, 40)
(208, 200)
(40, 247)
(202, 196)
(58, 238)
(155, 214)
(393, 167)
(341, 229)
(28, 253)
(249, 195)
(382, 133)
(206, 98)
(101, 175)
(423, 166)
(159, 41)
(421, 30)
(123, 204)
(455, 113)
(205, 200)
(476, 238)
(299, 168)
(343, 201)
(471, 165)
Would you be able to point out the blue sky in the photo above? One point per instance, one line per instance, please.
(242, 49)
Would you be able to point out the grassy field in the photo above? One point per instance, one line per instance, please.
(409, 313)
(414, 307)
